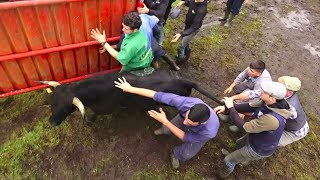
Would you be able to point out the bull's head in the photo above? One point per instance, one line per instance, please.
(62, 103)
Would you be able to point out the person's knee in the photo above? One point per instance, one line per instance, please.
(187, 151)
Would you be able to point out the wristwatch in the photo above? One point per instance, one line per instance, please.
(103, 43)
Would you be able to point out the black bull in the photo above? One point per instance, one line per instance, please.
(102, 97)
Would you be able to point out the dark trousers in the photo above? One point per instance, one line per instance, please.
(234, 6)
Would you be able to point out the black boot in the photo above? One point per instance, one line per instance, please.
(187, 53)
(228, 23)
(181, 56)
(171, 62)
(226, 15)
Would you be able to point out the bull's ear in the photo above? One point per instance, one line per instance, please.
(79, 105)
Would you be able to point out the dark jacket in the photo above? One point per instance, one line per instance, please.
(298, 122)
(157, 8)
(195, 16)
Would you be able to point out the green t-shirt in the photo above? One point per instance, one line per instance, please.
(133, 54)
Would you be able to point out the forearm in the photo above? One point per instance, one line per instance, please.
(234, 116)
(142, 92)
(111, 51)
(241, 96)
(174, 129)
(232, 85)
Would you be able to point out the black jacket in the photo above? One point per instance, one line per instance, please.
(157, 8)
(195, 16)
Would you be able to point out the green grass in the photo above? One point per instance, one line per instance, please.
(19, 104)
(23, 147)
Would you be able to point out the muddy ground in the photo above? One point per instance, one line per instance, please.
(283, 33)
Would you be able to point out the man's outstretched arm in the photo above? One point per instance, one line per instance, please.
(101, 38)
(126, 87)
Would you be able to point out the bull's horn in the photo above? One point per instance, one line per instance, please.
(50, 83)
(79, 105)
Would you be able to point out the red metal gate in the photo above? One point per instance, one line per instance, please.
(50, 40)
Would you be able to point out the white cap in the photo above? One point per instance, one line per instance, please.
(274, 89)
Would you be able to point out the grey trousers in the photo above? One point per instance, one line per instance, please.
(242, 155)
(185, 44)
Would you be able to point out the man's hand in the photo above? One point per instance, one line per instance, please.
(228, 101)
(159, 116)
(180, 3)
(123, 84)
(143, 10)
(95, 34)
(219, 109)
(102, 50)
(228, 90)
(176, 37)
(246, 1)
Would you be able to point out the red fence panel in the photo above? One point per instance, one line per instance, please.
(50, 40)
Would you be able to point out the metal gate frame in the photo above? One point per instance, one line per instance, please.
(50, 40)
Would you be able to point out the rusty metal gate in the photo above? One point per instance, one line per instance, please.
(50, 40)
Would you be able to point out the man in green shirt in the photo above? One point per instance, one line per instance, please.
(134, 53)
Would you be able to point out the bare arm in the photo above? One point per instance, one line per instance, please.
(111, 50)
(161, 117)
(101, 38)
(230, 88)
(241, 96)
(125, 86)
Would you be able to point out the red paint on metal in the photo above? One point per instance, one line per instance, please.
(78, 36)
(48, 35)
(11, 93)
(116, 21)
(105, 25)
(50, 40)
(90, 11)
(17, 4)
(5, 83)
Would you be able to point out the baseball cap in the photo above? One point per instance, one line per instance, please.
(274, 89)
(291, 83)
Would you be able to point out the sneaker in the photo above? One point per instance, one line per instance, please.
(224, 117)
(224, 152)
(234, 128)
(174, 162)
(158, 131)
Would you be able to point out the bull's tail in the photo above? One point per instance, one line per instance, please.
(206, 93)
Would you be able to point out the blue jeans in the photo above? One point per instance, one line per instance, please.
(158, 33)
(187, 150)
(234, 6)
(242, 155)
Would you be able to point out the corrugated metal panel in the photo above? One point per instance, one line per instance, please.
(50, 40)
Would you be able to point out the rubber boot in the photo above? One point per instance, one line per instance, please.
(229, 21)
(171, 62)
(181, 57)
(187, 53)
(224, 171)
(226, 15)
